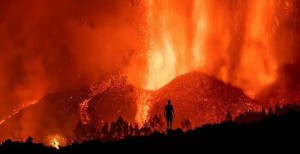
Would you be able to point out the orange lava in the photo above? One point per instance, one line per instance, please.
(83, 106)
(231, 42)
(21, 107)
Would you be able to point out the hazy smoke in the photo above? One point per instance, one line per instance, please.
(53, 45)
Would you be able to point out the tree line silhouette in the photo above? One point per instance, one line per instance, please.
(250, 116)
(276, 127)
(121, 129)
(117, 130)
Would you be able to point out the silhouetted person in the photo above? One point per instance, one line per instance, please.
(169, 114)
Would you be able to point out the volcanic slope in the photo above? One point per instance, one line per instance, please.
(201, 98)
(58, 113)
(196, 96)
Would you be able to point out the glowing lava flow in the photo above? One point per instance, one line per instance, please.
(84, 105)
(84, 117)
(54, 143)
(18, 109)
(144, 104)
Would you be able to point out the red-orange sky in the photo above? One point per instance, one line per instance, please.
(60, 45)
(63, 44)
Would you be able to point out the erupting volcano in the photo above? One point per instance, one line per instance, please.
(91, 62)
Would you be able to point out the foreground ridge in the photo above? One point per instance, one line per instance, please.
(273, 131)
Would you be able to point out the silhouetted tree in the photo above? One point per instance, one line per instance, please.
(156, 123)
(79, 130)
(131, 130)
(228, 116)
(277, 108)
(92, 130)
(186, 124)
(146, 129)
(125, 129)
(136, 130)
(29, 140)
(105, 132)
(270, 111)
(249, 116)
(119, 124)
(263, 111)
(113, 131)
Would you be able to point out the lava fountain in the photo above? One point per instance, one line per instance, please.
(234, 41)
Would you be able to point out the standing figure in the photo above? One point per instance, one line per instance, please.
(169, 114)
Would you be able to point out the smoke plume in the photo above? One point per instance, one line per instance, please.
(60, 45)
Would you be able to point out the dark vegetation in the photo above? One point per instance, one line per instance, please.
(268, 130)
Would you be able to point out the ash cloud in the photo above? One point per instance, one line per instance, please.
(286, 87)
(62, 45)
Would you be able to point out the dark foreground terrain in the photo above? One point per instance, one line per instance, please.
(274, 133)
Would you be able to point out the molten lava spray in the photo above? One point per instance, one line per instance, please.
(238, 42)
(229, 40)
